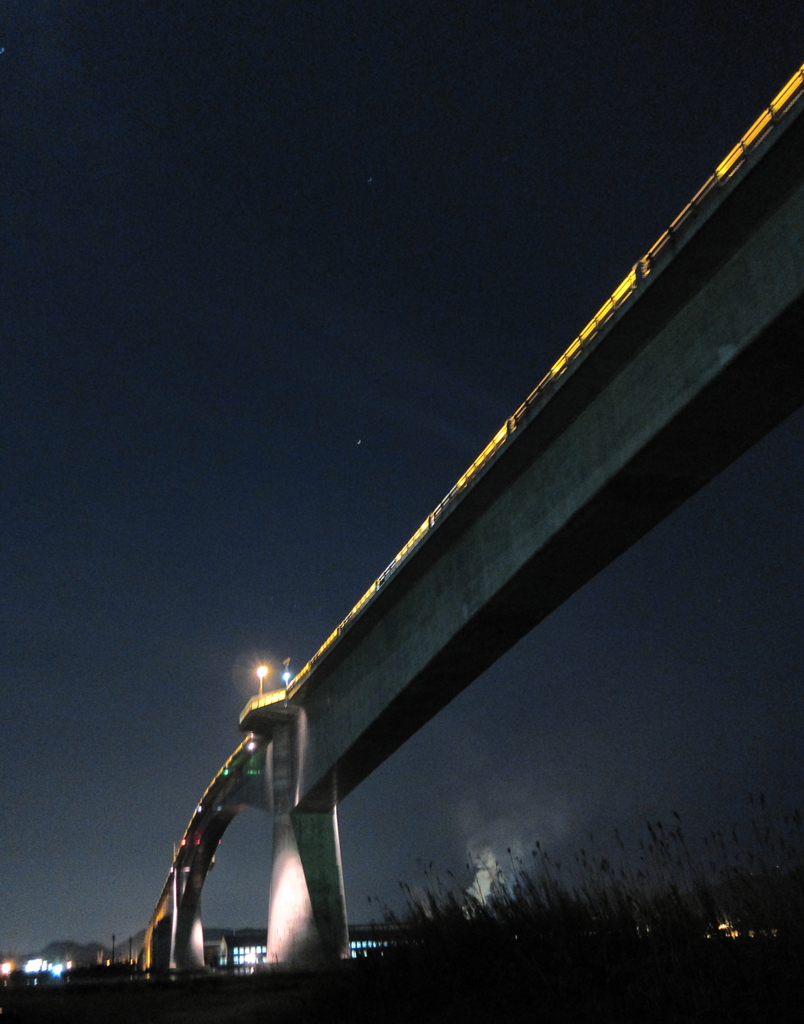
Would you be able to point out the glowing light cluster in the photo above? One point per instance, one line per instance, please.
(36, 965)
(249, 955)
(728, 930)
(358, 948)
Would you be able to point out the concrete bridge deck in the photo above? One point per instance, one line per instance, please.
(695, 356)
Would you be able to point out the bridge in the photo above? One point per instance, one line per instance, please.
(696, 355)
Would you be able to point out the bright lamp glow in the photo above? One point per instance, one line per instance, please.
(262, 672)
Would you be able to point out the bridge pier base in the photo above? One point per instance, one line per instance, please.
(307, 913)
(307, 909)
(188, 950)
(320, 853)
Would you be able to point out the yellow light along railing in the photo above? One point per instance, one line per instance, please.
(788, 92)
(786, 96)
(264, 700)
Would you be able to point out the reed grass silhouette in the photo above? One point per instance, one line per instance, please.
(669, 930)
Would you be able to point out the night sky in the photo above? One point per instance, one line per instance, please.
(273, 275)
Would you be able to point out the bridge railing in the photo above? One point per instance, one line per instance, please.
(264, 700)
(243, 749)
(790, 93)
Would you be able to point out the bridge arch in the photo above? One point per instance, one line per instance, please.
(174, 939)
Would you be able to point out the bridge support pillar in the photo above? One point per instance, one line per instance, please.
(320, 853)
(188, 952)
(307, 909)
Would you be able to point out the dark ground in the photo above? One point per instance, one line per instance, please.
(213, 1000)
(361, 994)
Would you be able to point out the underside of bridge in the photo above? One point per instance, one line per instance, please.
(705, 359)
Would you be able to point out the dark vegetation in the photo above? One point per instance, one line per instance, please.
(672, 932)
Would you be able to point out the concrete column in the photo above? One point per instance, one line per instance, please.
(189, 948)
(157, 955)
(307, 909)
(320, 853)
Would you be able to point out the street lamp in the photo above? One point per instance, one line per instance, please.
(262, 672)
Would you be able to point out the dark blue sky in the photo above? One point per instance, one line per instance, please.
(273, 275)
